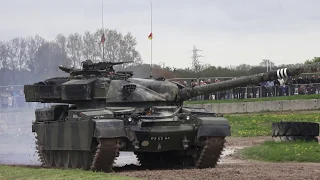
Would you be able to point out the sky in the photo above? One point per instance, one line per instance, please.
(229, 32)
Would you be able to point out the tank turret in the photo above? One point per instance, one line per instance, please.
(104, 112)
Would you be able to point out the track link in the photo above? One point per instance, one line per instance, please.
(106, 153)
(103, 159)
(210, 153)
(40, 151)
(108, 149)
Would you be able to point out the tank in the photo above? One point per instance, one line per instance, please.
(100, 112)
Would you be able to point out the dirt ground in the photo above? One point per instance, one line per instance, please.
(229, 167)
(232, 167)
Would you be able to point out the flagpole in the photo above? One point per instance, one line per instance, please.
(151, 38)
(103, 35)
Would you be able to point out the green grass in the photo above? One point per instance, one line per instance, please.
(259, 124)
(26, 173)
(283, 152)
(294, 97)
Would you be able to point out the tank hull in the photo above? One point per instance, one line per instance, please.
(86, 139)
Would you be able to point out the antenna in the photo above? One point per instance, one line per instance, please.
(150, 36)
(102, 15)
(103, 37)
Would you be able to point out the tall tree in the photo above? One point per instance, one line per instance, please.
(74, 46)
(90, 47)
(33, 44)
(267, 63)
(48, 57)
(61, 41)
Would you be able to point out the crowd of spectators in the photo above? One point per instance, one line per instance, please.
(13, 97)
(280, 87)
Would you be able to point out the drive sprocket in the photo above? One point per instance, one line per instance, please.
(208, 155)
(105, 155)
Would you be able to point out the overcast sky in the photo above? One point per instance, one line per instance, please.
(229, 32)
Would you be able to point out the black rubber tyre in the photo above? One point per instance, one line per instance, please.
(295, 138)
(295, 129)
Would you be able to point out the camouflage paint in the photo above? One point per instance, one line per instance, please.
(144, 115)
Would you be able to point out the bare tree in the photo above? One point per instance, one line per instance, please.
(3, 55)
(22, 56)
(61, 41)
(48, 57)
(33, 44)
(74, 47)
(267, 63)
(90, 47)
(3, 60)
(118, 48)
(243, 67)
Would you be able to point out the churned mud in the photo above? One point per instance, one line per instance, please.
(232, 167)
(229, 167)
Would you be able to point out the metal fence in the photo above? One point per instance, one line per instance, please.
(253, 91)
(262, 91)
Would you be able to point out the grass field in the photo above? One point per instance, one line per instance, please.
(27, 173)
(283, 152)
(260, 124)
(294, 97)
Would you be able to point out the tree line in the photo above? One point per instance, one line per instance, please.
(25, 60)
(30, 59)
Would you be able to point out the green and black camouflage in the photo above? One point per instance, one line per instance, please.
(102, 112)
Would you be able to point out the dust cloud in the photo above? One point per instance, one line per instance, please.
(17, 142)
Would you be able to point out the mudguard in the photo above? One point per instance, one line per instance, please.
(213, 126)
(70, 135)
(112, 128)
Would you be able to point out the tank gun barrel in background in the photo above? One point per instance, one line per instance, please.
(187, 93)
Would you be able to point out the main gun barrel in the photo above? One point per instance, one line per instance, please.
(187, 93)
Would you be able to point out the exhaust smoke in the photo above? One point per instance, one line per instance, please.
(17, 142)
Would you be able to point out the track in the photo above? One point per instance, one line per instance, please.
(40, 152)
(211, 152)
(101, 159)
(106, 153)
(205, 156)
(103, 156)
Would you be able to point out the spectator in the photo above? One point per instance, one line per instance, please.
(270, 88)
